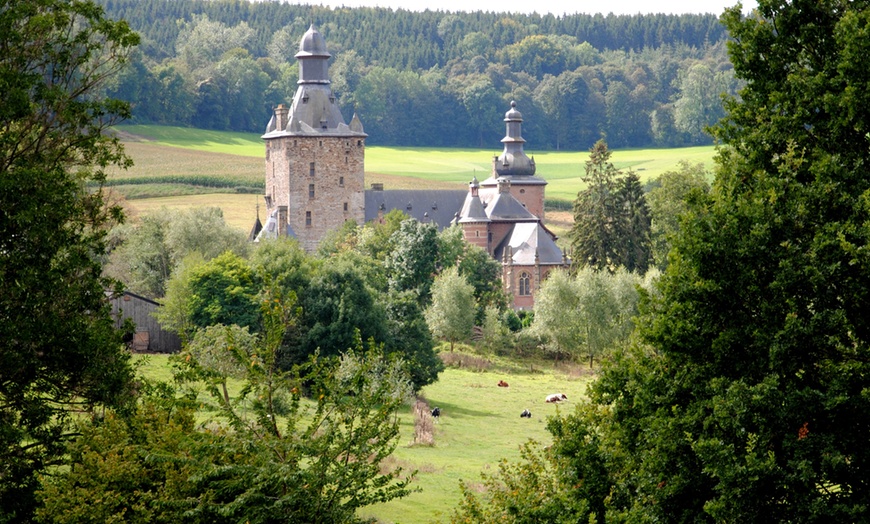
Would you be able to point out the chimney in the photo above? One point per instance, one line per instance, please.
(281, 113)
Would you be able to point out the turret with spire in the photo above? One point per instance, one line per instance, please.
(516, 167)
(315, 162)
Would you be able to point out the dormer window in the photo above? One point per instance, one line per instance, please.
(305, 98)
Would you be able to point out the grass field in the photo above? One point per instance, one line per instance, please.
(479, 426)
(164, 151)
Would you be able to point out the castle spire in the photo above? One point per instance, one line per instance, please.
(313, 58)
(513, 160)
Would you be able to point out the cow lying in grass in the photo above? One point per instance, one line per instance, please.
(556, 397)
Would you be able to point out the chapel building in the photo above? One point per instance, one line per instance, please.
(315, 176)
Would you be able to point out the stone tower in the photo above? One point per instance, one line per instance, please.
(516, 167)
(315, 163)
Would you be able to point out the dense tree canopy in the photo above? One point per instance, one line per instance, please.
(60, 350)
(632, 78)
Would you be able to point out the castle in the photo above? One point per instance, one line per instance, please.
(315, 182)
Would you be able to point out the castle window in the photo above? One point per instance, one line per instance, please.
(308, 218)
(311, 169)
(345, 206)
(320, 143)
(525, 284)
(359, 143)
(477, 234)
(341, 181)
(522, 191)
(310, 190)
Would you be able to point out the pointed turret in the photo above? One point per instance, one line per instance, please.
(472, 209)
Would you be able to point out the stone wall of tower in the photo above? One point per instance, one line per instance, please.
(321, 180)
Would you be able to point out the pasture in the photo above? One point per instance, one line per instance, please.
(480, 425)
(184, 167)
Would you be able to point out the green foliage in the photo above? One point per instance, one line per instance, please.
(151, 251)
(451, 314)
(223, 291)
(376, 238)
(60, 350)
(192, 180)
(611, 218)
(668, 202)
(476, 266)
(587, 313)
(496, 335)
(176, 311)
(528, 491)
(125, 468)
(408, 336)
(338, 306)
(285, 459)
(269, 455)
(222, 67)
(413, 260)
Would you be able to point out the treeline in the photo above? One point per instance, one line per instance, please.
(434, 78)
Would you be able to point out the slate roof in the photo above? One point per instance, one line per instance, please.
(525, 239)
(426, 205)
(505, 207)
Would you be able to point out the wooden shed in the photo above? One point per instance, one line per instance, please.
(149, 336)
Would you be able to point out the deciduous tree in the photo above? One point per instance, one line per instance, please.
(60, 350)
(451, 314)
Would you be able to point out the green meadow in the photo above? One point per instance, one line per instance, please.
(479, 426)
(233, 163)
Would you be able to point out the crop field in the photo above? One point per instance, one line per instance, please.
(182, 167)
(479, 426)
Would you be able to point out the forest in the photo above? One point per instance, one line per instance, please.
(433, 78)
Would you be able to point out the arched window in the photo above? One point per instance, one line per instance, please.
(525, 284)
